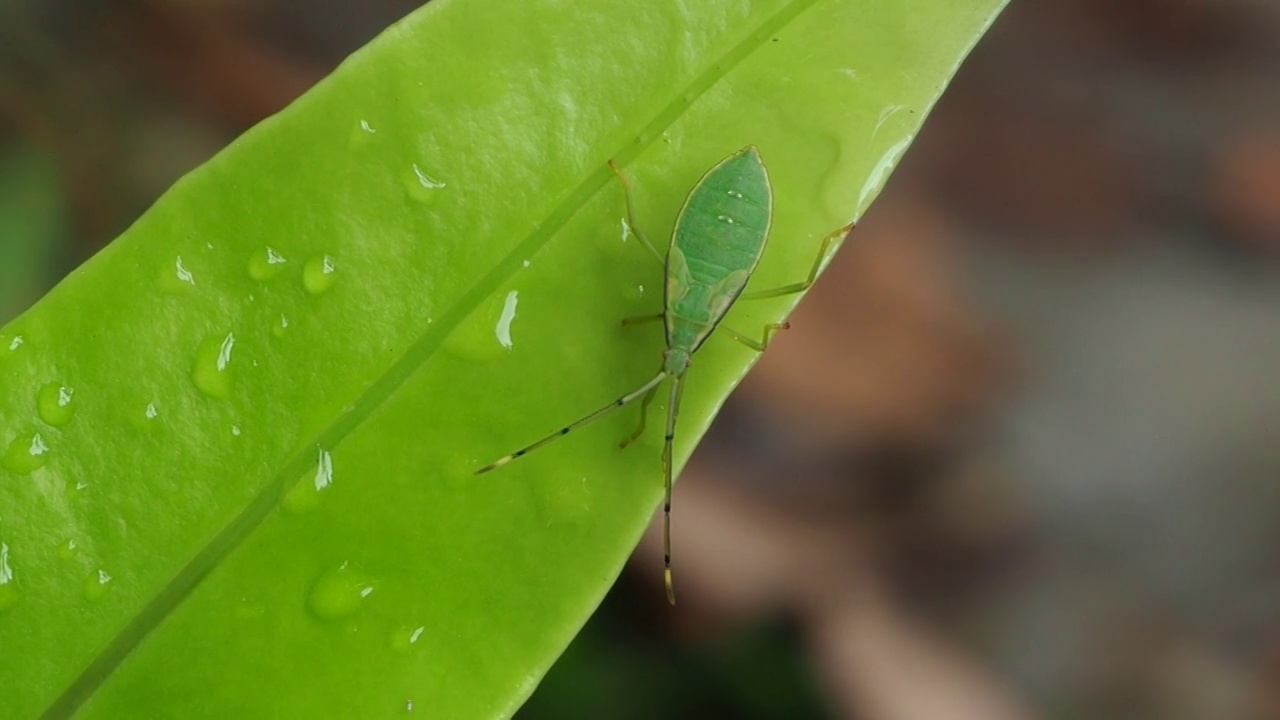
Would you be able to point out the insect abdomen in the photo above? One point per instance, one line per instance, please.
(725, 220)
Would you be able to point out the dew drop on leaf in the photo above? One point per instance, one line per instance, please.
(486, 335)
(176, 278)
(318, 275)
(265, 264)
(26, 453)
(339, 593)
(211, 371)
(503, 329)
(408, 639)
(305, 494)
(144, 417)
(68, 550)
(8, 590)
(421, 185)
(9, 345)
(97, 584)
(56, 403)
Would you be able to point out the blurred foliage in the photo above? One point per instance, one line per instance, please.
(622, 667)
(33, 226)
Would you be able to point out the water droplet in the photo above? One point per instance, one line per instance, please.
(305, 495)
(362, 134)
(339, 593)
(26, 454)
(503, 328)
(885, 114)
(54, 404)
(880, 173)
(9, 345)
(473, 339)
(405, 639)
(525, 263)
(235, 431)
(8, 591)
(725, 219)
(626, 229)
(408, 706)
(182, 273)
(324, 470)
(426, 180)
(68, 550)
(422, 186)
(318, 274)
(73, 490)
(212, 369)
(177, 278)
(144, 418)
(279, 328)
(265, 264)
(735, 193)
(97, 584)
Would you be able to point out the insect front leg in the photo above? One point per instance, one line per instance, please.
(631, 214)
(794, 288)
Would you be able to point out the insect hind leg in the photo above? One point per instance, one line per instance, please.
(761, 344)
(794, 288)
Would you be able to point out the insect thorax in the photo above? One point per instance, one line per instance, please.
(675, 361)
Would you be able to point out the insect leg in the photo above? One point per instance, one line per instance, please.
(673, 411)
(629, 397)
(757, 345)
(794, 288)
(631, 214)
(644, 413)
(641, 319)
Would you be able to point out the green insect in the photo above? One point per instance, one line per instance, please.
(718, 239)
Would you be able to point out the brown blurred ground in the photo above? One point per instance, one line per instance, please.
(1017, 458)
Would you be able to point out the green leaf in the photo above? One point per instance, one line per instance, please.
(235, 486)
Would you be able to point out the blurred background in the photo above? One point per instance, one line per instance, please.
(1019, 456)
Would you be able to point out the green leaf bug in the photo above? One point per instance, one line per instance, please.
(719, 237)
